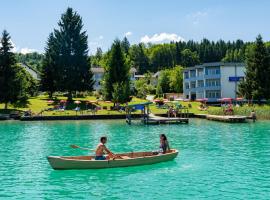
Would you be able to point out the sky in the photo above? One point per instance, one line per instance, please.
(29, 22)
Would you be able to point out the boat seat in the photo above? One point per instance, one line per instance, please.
(125, 157)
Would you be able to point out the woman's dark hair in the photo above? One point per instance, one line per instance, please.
(103, 138)
(163, 136)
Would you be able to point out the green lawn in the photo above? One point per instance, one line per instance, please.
(39, 103)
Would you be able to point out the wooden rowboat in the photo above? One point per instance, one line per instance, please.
(126, 160)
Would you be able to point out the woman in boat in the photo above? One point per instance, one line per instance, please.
(164, 144)
(101, 149)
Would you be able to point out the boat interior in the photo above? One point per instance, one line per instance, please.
(120, 156)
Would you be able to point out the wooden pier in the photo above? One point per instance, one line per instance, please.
(148, 118)
(153, 119)
(227, 118)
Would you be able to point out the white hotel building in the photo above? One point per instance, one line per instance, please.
(212, 80)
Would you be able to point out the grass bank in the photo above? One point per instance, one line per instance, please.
(262, 112)
(40, 103)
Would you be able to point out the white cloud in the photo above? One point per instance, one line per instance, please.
(161, 38)
(27, 50)
(128, 33)
(196, 17)
(15, 48)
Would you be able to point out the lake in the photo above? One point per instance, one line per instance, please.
(216, 161)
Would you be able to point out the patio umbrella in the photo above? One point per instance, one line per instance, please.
(63, 101)
(77, 102)
(157, 100)
(239, 99)
(166, 101)
(92, 101)
(50, 101)
(179, 99)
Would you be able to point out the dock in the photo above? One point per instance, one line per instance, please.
(149, 118)
(227, 118)
(153, 119)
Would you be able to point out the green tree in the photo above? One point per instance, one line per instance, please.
(51, 74)
(189, 58)
(125, 45)
(256, 83)
(139, 58)
(117, 71)
(145, 86)
(176, 79)
(164, 82)
(72, 59)
(10, 79)
(120, 92)
(162, 56)
(96, 59)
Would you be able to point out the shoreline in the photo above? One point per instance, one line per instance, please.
(86, 117)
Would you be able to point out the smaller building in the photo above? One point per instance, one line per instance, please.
(98, 73)
(154, 77)
(213, 80)
(31, 71)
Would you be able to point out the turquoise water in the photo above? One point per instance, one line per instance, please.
(216, 161)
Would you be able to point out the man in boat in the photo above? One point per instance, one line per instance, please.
(101, 149)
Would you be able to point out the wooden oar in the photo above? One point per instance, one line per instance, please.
(77, 147)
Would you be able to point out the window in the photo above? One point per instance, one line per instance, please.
(193, 84)
(199, 95)
(212, 93)
(186, 75)
(200, 83)
(200, 72)
(187, 86)
(192, 73)
(212, 71)
(212, 82)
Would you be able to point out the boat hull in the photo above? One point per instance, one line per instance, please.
(88, 162)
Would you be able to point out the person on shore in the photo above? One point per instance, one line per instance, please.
(102, 149)
(253, 115)
(164, 144)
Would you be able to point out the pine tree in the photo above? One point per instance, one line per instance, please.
(139, 59)
(13, 79)
(72, 59)
(125, 45)
(117, 72)
(50, 72)
(256, 84)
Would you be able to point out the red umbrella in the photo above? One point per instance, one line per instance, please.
(77, 102)
(50, 101)
(63, 101)
(239, 99)
(226, 99)
(157, 100)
